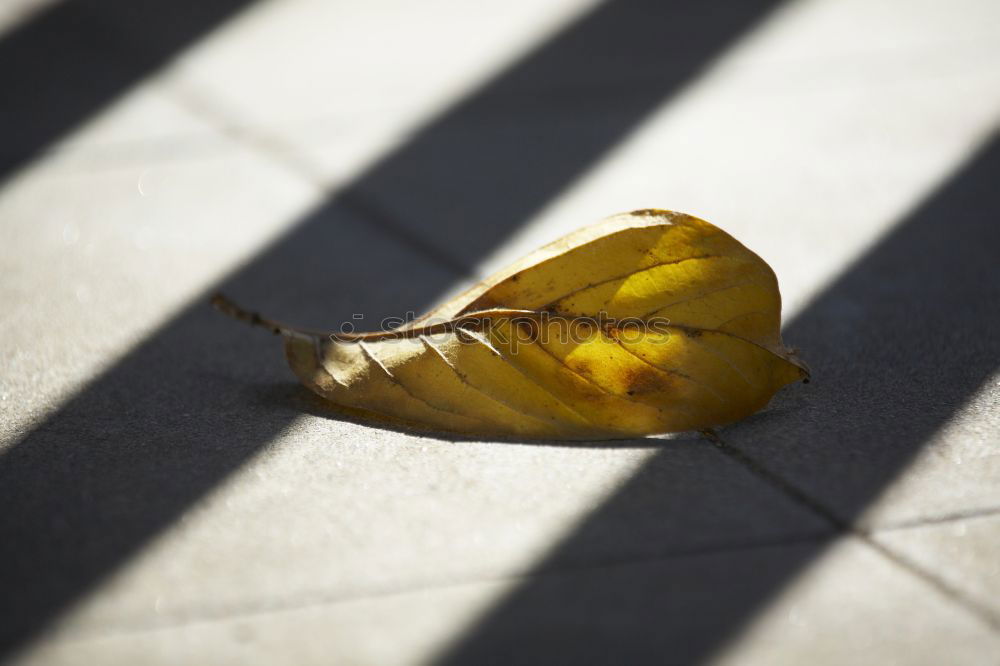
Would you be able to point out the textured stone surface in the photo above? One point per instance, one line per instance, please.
(169, 494)
(846, 609)
(961, 551)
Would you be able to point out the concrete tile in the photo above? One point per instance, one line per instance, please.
(955, 471)
(807, 170)
(342, 83)
(50, 87)
(67, 63)
(855, 606)
(335, 510)
(85, 85)
(97, 261)
(852, 606)
(961, 552)
(766, 135)
(399, 629)
(833, 29)
(140, 130)
(158, 33)
(139, 403)
(899, 425)
(487, 166)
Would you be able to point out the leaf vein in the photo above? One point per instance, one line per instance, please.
(699, 295)
(533, 381)
(715, 352)
(674, 372)
(462, 378)
(659, 264)
(593, 383)
(392, 378)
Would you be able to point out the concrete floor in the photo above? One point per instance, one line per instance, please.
(169, 494)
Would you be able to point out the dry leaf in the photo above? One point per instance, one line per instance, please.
(648, 322)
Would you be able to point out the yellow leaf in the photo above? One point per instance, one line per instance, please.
(648, 322)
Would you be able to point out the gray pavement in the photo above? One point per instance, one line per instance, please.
(169, 494)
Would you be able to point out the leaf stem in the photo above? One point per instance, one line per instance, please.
(228, 307)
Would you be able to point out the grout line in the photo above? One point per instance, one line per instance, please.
(285, 155)
(781, 484)
(368, 209)
(971, 514)
(266, 145)
(320, 600)
(798, 495)
(943, 587)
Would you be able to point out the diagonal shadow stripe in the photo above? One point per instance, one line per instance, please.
(899, 342)
(496, 158)
(133, 451)
(74, 58)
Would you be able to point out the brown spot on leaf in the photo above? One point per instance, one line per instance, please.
(643, 379)
(579, 366)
